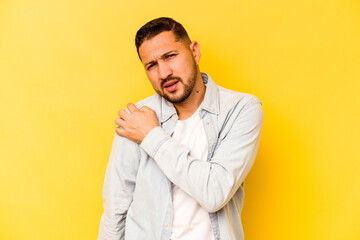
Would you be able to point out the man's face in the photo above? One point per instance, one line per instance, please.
(170, 65)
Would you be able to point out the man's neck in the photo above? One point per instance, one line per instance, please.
(186, 108)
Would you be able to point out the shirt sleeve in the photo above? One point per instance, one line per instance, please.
(119, 185)
(211, 183)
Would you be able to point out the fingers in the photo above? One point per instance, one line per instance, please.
(145, 108)
(122, 127)
(123, 114)
(120, 132)
(132, 108)
(126, 116)
(120, 122)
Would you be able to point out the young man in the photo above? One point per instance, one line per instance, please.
(180, 157)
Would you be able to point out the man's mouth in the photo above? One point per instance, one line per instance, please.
(171, 85)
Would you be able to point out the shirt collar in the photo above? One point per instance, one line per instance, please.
(210, 102)
(211, 99)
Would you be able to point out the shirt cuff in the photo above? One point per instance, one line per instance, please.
(153, 140)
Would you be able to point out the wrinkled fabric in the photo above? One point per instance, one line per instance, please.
(137, 186)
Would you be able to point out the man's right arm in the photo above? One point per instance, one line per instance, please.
(118, 187)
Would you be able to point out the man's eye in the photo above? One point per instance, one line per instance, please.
(150, 66)
(170, 56)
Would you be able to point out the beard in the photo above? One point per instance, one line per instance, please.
(188, 87)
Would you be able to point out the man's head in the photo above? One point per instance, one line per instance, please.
(170, 59)
(157, 26)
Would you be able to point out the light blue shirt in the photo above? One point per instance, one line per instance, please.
(137, 187)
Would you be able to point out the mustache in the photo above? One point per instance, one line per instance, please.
(165, 80)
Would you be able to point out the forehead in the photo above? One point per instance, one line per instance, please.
(158, 45)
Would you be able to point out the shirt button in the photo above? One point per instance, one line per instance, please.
(174, 116)
(166, 224)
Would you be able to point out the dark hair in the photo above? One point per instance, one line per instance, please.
(157, 26)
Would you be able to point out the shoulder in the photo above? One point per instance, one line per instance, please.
(153, 102)
(230, 100)
(237, 108)
(226, 99)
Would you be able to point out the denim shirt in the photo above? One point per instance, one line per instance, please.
(137, 186)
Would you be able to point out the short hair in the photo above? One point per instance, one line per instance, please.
(157, 26)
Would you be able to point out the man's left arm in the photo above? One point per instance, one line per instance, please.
(210, 183)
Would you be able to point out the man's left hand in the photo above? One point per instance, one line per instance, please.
(136, 124)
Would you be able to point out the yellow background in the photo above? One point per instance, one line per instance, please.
(67, 67)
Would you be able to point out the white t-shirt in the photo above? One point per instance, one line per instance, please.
(190, 220)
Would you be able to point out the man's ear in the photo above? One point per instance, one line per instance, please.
(195, 49)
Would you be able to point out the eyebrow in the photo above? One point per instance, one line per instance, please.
(161, 57)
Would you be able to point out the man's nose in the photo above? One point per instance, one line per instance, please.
(164, 70)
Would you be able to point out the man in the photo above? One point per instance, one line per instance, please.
(179, 157)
